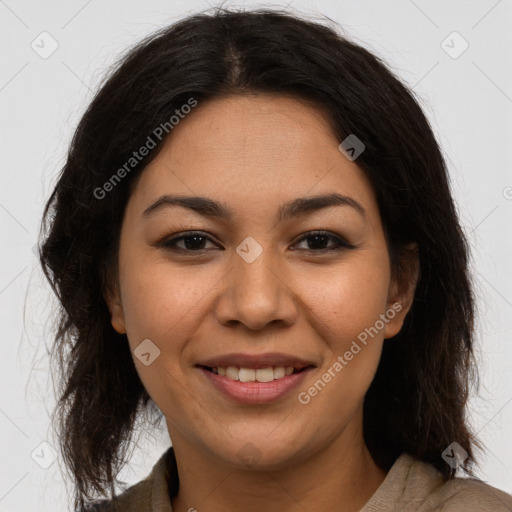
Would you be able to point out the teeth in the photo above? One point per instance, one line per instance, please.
(251, 375)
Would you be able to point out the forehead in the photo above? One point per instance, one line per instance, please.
(251, 151)
(253, 130)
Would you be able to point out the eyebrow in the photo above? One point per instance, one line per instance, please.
(210, 208)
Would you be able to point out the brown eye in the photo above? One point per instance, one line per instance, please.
(317, 240)
(193, 242)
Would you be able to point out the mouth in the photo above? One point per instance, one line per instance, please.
(253, 379)
(254, 386)
(263, 374)
(262, 367)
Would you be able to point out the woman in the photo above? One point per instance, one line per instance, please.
(254, 235)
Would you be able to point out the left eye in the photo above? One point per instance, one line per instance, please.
(319, 237)
(194, 242)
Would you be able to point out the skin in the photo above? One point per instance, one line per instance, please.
(254, 153)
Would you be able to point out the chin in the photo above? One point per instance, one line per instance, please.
(259, 454)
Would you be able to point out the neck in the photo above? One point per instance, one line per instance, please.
(333, 478)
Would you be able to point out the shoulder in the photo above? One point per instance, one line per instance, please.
(99, 506)
(136, 498)
(151, 493)
(454, 495)
(465, 494)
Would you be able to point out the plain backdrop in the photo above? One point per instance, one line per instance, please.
(466, 93)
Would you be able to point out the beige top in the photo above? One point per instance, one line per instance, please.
(410, 486)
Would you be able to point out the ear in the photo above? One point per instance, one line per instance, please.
(402, 289)
(115, 306)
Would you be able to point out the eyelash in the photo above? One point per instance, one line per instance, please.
(170, 244)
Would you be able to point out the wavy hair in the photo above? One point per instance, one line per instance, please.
(417, 400)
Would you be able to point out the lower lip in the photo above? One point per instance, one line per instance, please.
(255, 392)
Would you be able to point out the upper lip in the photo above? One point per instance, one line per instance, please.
(256, 361)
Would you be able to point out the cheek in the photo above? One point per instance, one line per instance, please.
(350, 299)
(347, 314)
(162, 305)
(160, 302)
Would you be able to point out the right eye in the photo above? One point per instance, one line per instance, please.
(193, 241)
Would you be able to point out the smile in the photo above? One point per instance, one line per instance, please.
(254, 386)
(252, 375)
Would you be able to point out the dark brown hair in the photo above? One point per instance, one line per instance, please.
(416, 403)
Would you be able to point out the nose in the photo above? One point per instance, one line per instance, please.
(256, 294)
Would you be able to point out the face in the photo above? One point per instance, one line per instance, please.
(255, 282)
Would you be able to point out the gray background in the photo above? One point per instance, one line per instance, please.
(467, 97)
